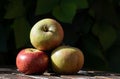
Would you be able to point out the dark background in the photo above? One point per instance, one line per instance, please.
(91, 25)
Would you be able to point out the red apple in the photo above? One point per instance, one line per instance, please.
(32, 61)
(67, 60)
(46, 34)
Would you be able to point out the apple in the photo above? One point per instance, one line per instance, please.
(46, 34)
(67, 60)
(32, 61)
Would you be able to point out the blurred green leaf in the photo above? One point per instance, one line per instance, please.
(105, 10)
(14, 9)
(21, 29)
(65, 12)
(86, 26)
(106, 34)
(91, 12)
(92, 47)
(94, 58)
(45, 6)
(81, 4)
(110, 13)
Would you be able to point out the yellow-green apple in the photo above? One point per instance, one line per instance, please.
(67, 60)
(46, 34)
(32, 61)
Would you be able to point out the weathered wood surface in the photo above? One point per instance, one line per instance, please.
(12, 73)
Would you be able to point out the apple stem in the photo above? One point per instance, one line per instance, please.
(45, 28)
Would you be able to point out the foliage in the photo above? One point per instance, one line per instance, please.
(95, 25)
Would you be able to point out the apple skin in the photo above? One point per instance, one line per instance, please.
(32, 61)
(46, 34)
(67, 60)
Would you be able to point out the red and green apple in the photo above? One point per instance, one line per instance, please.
(32, 61)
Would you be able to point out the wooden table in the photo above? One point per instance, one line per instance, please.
(12, 73)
